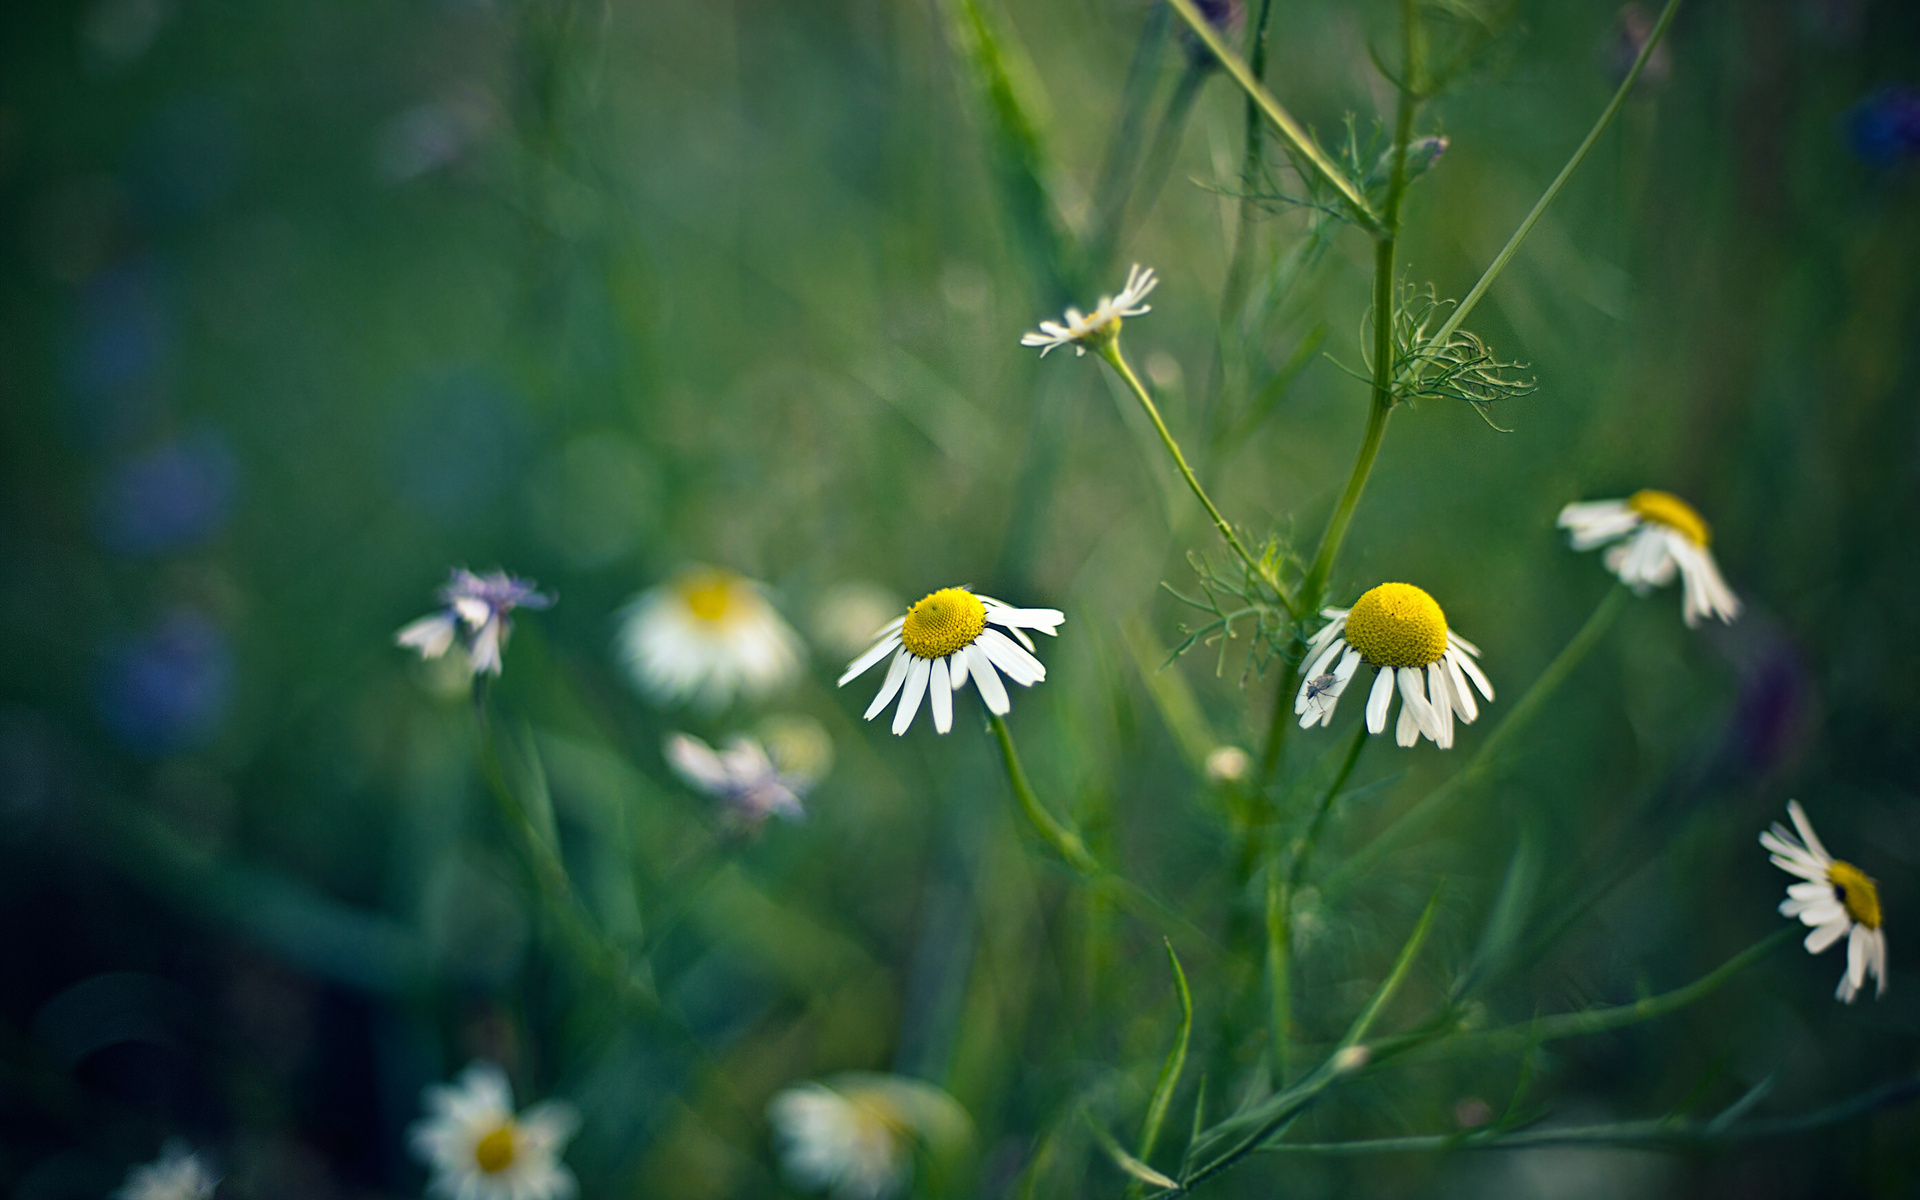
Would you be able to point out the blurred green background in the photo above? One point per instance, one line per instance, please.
(302, 304)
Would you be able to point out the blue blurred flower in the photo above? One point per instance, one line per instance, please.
(168, 688)
(1885, 127)
(477, 605)
(171, 497)
(114, 346)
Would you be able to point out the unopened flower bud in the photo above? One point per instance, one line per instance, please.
(1350, 1059)
(1227, 764)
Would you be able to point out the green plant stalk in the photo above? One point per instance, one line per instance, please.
(1291, 131)
(1607, 114)
(1240, 264)
(1171, 1069)
(1109, 348)
(1065, 841)
(1486, 758)
(1280, 894)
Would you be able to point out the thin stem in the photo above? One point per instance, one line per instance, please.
(1291, 131)
(1241, 262)
(1505, 256)
(1109, 348)
(1064, 840)
(1487, 757)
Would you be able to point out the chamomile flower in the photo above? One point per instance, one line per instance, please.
(1655, 534)
(1080, 329)
(706, 636)
(1400, 631)
(1836, 898)
(741, 775)
(479, 1149)
(947, 638)
(855, 1134)
(178, 1174)
(475, 614)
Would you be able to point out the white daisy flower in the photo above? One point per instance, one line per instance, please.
(480, 1150)
(1836, 898)
(946, 638)
(1655, 534)
(855, 1134)
(742, 776)
(1400, 631)
(705, 636)
(476, 611)
(1104, 321)
(178, 1174)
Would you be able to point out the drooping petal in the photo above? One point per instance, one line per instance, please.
(1807, 835)
(1826, 935)
(987, 680)
(940, 696)
(1378, 699)
(896, 675)
(918, 671)
(860, 666)
(432, 635)
(1021, 667)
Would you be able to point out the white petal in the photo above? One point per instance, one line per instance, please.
(1880, 961)
(1413, 695)
(1798, 867)
(918, 669)
(1857, 951)
(696, 762)
(1807, 835)
(896, 675)
(1472, 670)
(940, 696)
(957, 669)
(1439, 694)
(987, 680)
(1821, 912)
(1406, 731)
(1462, 694)
(431, 636)
(861, 665)
(1825, 935)
(1021, 667)
(1810, 891)
(1378, 699)
(1325, 656)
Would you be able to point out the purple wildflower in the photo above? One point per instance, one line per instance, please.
(476, 613)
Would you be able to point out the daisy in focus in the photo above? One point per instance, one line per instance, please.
(1655, 534)
(1400, 631)
(476, 615)
(947, 638)
(1081, 329)
(479, 1149)
(856, 1133)
(178, 1174)
(706, 636)
(741, 775)
(1836, 898)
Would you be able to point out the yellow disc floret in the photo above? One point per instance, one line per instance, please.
(1852, 888)
(942, 622)
(1667, 509)
(710, 595)
(1397, 625)
(494, 1152)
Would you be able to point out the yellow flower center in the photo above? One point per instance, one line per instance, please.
(494, 1152)
(710, 595)
(1665, 508)
(1852, 888)
(942, 622)
(1397, 625)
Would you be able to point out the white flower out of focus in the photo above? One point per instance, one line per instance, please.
(178, 1174)
(1401, 632)
(741, 775)
(705, 637)
(945, 639)
(855, 1135)
(1836, 898)
(1655, 535)
(1078, 329)
(475, 616)
(479, 1149)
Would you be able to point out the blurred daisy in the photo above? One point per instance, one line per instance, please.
(1836, 899)
(476, 611)
(178, 1174)
(946, 638)
(1104, 321)
(480, 1150)
(856, 1133)
(1655, 534)
(705, 636)
(741, 775)
(1400, 631)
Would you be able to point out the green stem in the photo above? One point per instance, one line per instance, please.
(1109, 348)
(1517, 718)
(1065, 841)
(1291, 131)
(1500, 260)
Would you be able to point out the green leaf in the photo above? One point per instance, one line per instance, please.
(1127, 1162)
(1176, 1062)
